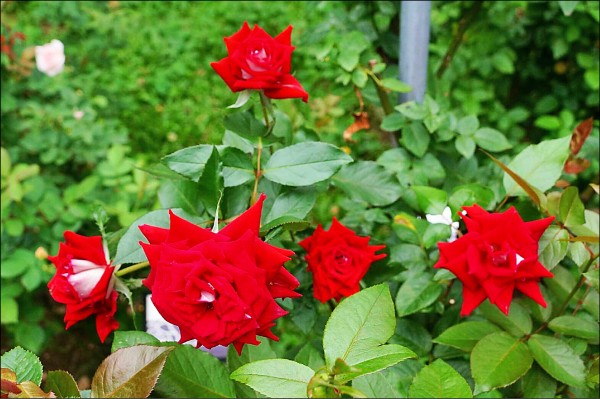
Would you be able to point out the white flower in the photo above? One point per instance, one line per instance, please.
(50, 58)
(445, 218)
(78, 114)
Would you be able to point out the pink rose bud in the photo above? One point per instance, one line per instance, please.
(50, 58)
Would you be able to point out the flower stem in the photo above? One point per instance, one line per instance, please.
(132, 268)
(267, 109)
(578, 285)
(257, 173)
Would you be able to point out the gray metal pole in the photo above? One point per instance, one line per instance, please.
(414, 47)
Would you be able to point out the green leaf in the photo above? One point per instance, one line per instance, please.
(348, 59)
(396, 85)
(376, 359)
(517, 323)
(304, 164)
(290, 222)
(503, 63)
(538, 384)
(193, 373)
(25, 364)
(570, 208)
(576, 327)
(392, 382)
(553, 246)
(491, 140)
(233, 140)
(310, 357)
(129, 249)
(498, 360)
(568, 7)
(591, 276)
(413, 335)
(62, 384)
(182, 194)
(540, 165)
(466, 335)
(548, 122)
(439, 380)
(237, 167)
(189, 161)
(469, 194)
(467, 126)
(412, 110)
(392, 122)
(245, 124)
(129, 372)
(416, 294)
(17, 263)
(415, 138)
(431, 200)
(276, 378)
(360, 78)
(250, 353)
(125, 339)
(296, 203)
(368, 181)
(465, 146)
(359, 323)
(558, 359)
(9, 310)
(210, 183)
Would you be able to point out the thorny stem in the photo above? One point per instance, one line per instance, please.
(578, 285)
(267, 110)
(132, 268)
(463, 24)
(385, 103)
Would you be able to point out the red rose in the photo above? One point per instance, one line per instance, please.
(84, 282)
(338, 260)
(497, 255)
(257, 61)
(218, 288)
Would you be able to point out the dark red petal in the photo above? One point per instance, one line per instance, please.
(531, 288)
(289, 87)
(285, 37)
(233, 41)
(537, 227)
(249, 220)
(471, 299)
(226, 70)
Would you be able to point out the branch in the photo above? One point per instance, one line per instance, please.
(463, 24)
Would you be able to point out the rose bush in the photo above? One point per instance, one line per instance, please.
(257, 61)
(50, 58)
(218, 288)
(84, 282)
(338, 260)
(498, 255)
(396, 329)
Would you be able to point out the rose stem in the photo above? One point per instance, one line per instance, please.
(258, 172)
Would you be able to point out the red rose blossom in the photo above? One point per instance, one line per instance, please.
(256, 61)
(84, 282)
(338, 260)
(218, 288)
(498, 254)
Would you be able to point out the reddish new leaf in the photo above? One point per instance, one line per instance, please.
(580, 134)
